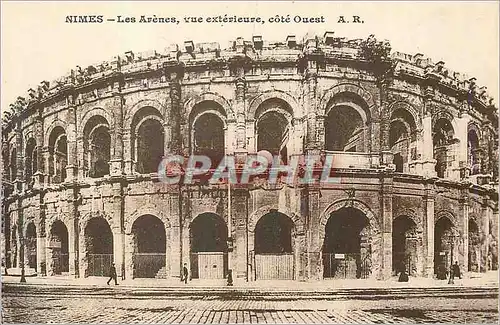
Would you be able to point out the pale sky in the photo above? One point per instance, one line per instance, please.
(38, 45)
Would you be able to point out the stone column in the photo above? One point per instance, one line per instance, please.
(311, 109)
(127, 152)
(485, 245)
(464, 223)
(39, 174)
(427, 148)
(174, 74)
(386, 209)
(116, 162)
(460, 163)
(311, 205)
(118, 230)
(40, 255)
(71, 135)
(239, 213)
(176, 257)
(118, 250)
(128, 239)
(74, 233)
(429, 230)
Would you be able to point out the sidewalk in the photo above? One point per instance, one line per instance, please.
(471, 280)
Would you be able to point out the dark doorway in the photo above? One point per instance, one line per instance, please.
(208, 236)
(149, 247)
(59, 247)
(346, 248)
(99, 244)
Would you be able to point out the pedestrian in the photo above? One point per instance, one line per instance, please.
(403, 276)
(456, 271)
(112, 274)
(185, 273)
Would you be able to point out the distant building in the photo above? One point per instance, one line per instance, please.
(415, 147)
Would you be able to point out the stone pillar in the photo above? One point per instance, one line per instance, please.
(311, 110)
(386, 209)
(175, 77)
(429, 231)
(118, 231)
(127, 152)
(81, 155)
(46, 164)
(116, 162)
(427, 148)
(375, 134)
(240, 240)
(39, 174)
(74, 233)
(464, 223)
(73, 249)
(311, 204)
(118, 250)
(128, 262)
(174, 246)
(72, 166)
(41, 245)
(460, 163)
(387, 156)
(485, 245)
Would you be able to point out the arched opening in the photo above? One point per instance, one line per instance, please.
(346, 247)
(59, 247)
(99, 246)
(31, 161)
(474, 247)
(208, 240)
(208, 137)
(30, 245)
(58, 155)
(404, 245)
(274, 247)
(402, 139)
(443, 140)
(273, 129)
(150, 244)
(444, 247)
(344, 130)
(97, 147)
(149, 146)
(473, 153)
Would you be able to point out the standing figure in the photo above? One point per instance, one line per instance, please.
(456, 271)
(112, 274)
(185, 273)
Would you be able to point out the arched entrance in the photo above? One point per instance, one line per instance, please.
(31, 245)
(346, 247)
(58, 247)
(444, 244)
(99, 245)
(274, 247)
(404, 245)
(474, 247)
(208, 238)
(150, 247)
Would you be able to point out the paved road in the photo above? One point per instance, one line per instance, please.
(114, 305)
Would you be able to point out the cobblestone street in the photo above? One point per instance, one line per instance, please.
(113, 306)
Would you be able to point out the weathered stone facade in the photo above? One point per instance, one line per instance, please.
(415, 147)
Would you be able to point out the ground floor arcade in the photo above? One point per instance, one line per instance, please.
(276, 246)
